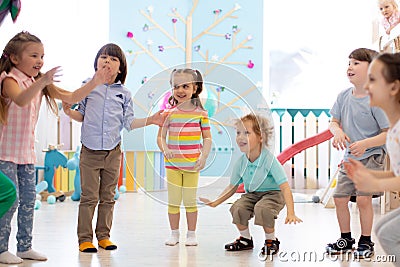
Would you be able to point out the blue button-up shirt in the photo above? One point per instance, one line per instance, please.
(106, 110)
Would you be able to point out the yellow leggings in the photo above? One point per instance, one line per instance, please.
(182, 185)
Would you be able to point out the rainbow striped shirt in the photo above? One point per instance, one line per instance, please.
(184, 136)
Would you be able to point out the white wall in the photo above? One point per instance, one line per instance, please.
(325, 32)
(72, 32)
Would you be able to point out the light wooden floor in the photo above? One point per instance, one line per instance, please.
(141, 227)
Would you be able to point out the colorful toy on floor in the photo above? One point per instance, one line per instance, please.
(51, 199)
(52, 160)
(73, 164)
(38, 204)
(59, 195)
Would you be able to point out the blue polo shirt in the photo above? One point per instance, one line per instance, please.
(106, 111)
(264, 174)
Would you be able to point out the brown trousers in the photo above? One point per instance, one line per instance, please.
(99, 177)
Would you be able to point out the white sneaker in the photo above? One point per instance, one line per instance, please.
(172, 241)
(9, 258)
(32, 255)
(191, 240)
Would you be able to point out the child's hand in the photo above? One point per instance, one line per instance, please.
(102, 75)
(66, 108)
(361, 176)
(200, 163)
(339, 140)
(50, 76)
(207, 202)
(358, 148)
(158, 118)
(168, 153)
(291, 218)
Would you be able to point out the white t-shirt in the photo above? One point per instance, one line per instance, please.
(393, 147)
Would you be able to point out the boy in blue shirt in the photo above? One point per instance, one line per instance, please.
(265, 183)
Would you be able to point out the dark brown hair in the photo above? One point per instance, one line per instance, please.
(114, 50)
(391, 67)
(363, 54)
(197, 81)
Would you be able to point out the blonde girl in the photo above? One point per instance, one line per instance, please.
(185, 127)
(390, 13)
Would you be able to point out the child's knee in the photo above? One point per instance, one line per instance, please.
(173, 209)
(191, 208)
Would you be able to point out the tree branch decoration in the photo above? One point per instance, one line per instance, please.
(188, 48)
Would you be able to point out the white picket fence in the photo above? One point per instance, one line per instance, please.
(313, 167)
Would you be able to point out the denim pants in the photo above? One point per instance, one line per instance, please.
(23, 176)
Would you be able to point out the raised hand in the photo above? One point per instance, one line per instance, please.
(103, 75)
(51, 76)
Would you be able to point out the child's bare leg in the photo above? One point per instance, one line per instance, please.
(191, 218)
(364, 204)
(174, 224)
(174, 220)
(343, 213)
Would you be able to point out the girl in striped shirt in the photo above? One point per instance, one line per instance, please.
(185, 140)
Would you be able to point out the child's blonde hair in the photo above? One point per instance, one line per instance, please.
(392, 2)
(261, 126)
(15, 47)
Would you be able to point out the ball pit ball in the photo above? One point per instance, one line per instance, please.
(122, 189)
(51, 199)
(38, 204)
(315, 199)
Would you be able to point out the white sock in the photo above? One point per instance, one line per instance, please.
(270, 236)
(32, 255)
(245, 233)
(191, 239)
(9, 258)
(173, 239)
